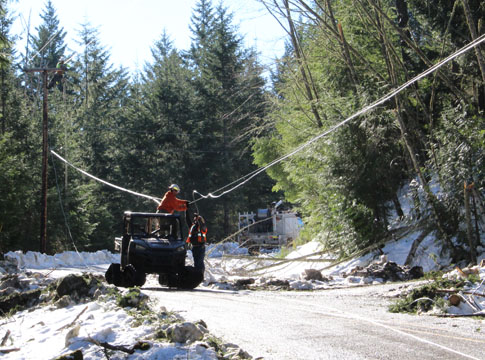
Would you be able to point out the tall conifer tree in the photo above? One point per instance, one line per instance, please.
(49, 42)
(230, 102)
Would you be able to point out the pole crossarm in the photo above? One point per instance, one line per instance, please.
(44, 69)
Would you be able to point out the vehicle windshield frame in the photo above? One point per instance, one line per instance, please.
(154, 226)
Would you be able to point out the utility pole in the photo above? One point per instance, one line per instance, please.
(43, 211)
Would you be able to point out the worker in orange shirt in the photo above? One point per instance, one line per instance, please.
(171, 203)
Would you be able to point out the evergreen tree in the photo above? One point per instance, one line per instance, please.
(193, 119)
(344, 55)
(101, 93)
(82, 212)
(3, 38)
(48, 44)
(159, 124)
(19, 156)
(5, 58)
(230, 104)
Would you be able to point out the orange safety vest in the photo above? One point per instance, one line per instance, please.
(201, 235)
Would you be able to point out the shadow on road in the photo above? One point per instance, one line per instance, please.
(212, 291)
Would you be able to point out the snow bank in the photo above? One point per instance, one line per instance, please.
(35, 260)
(228, 248)
(305, 250)
(428, 255)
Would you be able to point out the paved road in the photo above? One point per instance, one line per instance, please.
(332, 324)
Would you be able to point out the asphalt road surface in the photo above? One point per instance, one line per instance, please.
(351, 323)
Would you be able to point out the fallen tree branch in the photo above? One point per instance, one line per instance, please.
(111, 347)
(6, 351)
(302, 258)
(73, 322)
(459, 315)
(5, 338)
(420, 299)
(454, 291)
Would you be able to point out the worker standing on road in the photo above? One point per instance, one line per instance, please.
(197, 238)
(171, 203)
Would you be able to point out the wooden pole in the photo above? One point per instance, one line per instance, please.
(45, 116)
(43, 213)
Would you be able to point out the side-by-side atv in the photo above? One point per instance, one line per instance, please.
(152, 243)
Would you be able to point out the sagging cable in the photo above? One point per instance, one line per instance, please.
(155, 199)
(243, 180)
(61, 205)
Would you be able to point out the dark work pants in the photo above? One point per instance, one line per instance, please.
(198, 252)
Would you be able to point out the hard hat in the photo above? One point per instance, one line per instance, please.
(174, 187)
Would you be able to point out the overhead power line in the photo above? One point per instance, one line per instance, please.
(244, 179)
(45, 45)
(155, 199)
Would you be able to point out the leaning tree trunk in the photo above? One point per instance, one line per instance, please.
(312, 96)
(474, 34)
(430, 198)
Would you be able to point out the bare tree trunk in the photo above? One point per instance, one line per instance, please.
(435, 75)
(479, 203)
(345, 48)
(431, 199)
(333, 32)
(469, 229)
(414, 247)
(397, 206)
(4, 101)
(312, 96)
(402, 22)
(473, 31)
(394, 53)
(456, 91)
(474, 34)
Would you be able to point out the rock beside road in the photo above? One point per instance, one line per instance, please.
(26, 290)
(386, 271)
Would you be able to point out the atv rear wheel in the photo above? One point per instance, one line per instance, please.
(170, 280)
(190, 278)
(163, 279)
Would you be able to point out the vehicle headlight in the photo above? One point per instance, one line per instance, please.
(180, 249)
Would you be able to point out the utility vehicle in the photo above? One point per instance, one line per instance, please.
(152, 243)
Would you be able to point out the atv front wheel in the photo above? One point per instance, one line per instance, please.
(114, 275)
(133, 277)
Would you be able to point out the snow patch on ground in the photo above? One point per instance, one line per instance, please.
(228, 248)
(40, 334)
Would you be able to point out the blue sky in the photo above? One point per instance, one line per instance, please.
(129, 28)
